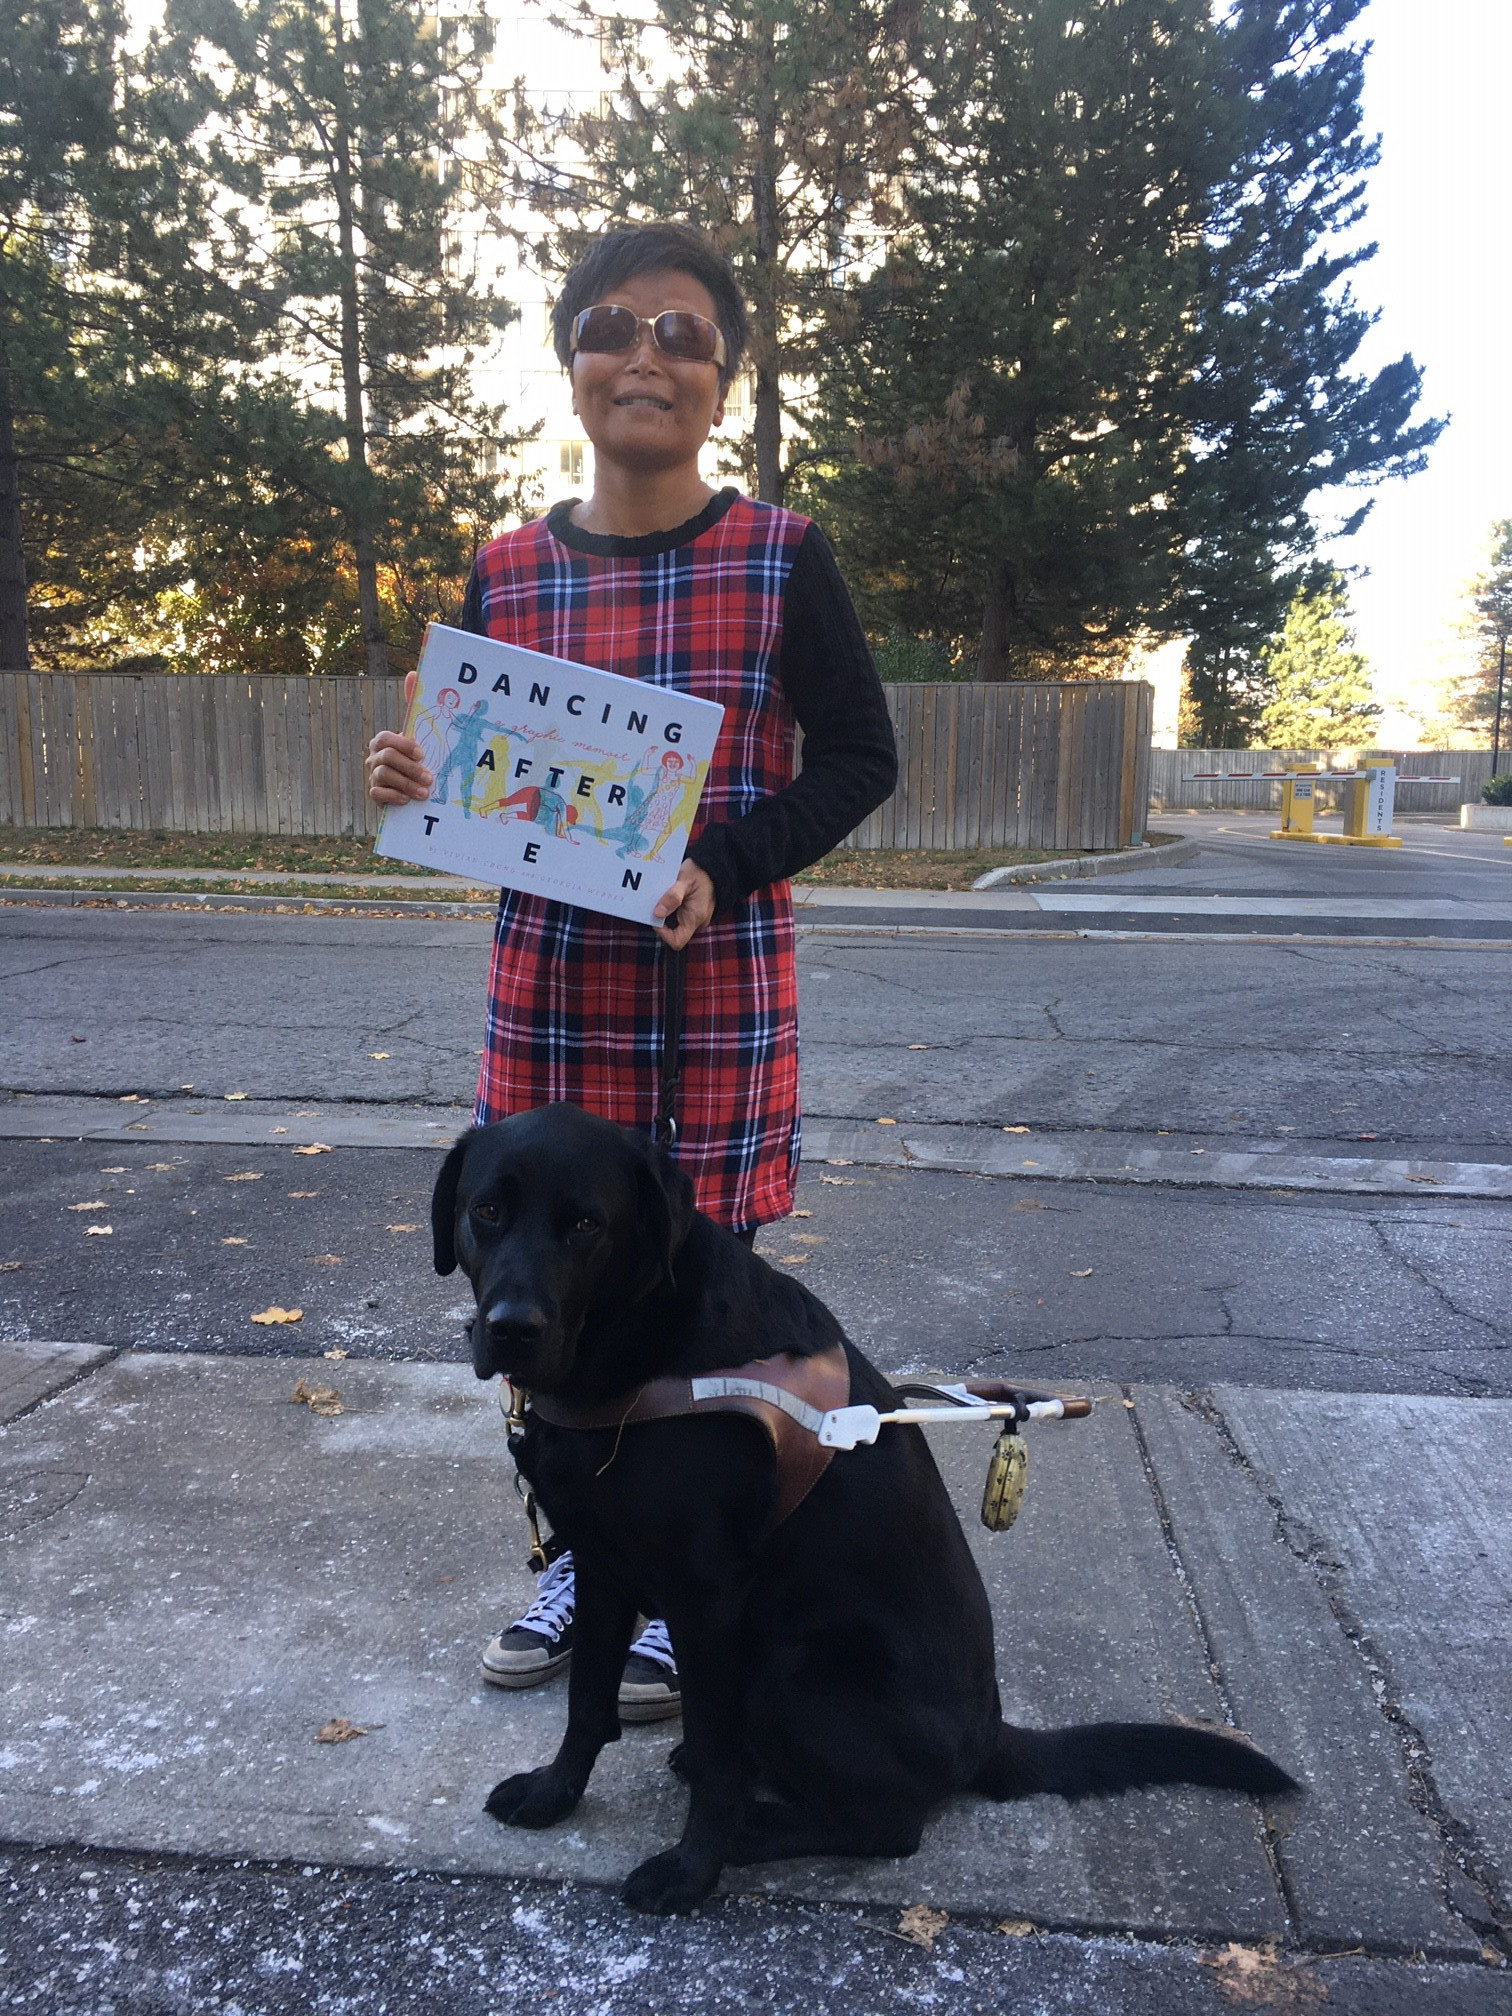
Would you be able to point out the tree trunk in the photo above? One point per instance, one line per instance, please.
(13, 652)
(768, 428)
(1501, 687)
(360, 499)
(997, 626)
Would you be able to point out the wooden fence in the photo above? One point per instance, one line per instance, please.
(1170, 767)
(979, 766)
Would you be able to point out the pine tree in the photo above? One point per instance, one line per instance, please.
(335, 134)
(779, 127)
(1487, 701)
(1319, 683)
(1105, 371)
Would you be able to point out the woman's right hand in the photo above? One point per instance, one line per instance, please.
(396, 768)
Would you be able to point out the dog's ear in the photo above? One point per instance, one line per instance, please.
(444, 1205)
(664, 1200)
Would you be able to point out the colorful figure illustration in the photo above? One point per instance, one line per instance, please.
(432, 727)
(542, 807)
(466, 738)
(652, 796)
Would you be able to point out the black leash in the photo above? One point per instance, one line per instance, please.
(664, 1130)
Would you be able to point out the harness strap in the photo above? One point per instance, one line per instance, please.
(786, 1394)
(674, 975)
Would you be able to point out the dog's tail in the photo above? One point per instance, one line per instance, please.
(1104, 1757)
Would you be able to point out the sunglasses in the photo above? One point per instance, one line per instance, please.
(691, 339)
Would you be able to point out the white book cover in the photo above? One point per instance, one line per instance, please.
(551, 778)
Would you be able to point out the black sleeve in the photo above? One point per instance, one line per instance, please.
(850, 761)
(472, 607)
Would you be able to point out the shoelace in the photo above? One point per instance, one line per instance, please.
(551, 1612)
(654, 1643)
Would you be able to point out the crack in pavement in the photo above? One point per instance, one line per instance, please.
(1415, 1273)
(1457, 1839)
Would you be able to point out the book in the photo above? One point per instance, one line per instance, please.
(551, 778)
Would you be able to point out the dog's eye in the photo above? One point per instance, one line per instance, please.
(586, 1227)
(489, 1213)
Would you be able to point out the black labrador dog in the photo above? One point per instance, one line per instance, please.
(836, 1663)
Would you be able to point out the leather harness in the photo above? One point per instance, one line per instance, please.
(788, 1395)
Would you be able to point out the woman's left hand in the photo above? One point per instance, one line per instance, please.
(686, 908)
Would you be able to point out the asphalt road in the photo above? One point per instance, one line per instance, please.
(1261, 1031)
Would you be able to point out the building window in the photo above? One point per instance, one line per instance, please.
(572, 461)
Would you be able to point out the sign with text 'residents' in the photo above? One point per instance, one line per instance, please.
(551, 778)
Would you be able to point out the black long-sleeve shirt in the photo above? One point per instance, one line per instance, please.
(849, 762)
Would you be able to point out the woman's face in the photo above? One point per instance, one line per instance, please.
(644, 411)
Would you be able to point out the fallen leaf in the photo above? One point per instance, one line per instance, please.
(401, 1228)
(303, 1193)
(319, 1399)
(325, 1260)
(793, 1259)
(278, 1130)
(1017, 1130)
(918, 1046)
(803, 1214)
(379, 1056)
(1130, 1405)
(886, 1123)
(313, 1112)
(98, 1231)
(1026, 1164)
(233, 1242)
(315, 1148)
(236, 1095)
(137, 1127)
(338, 1353)
(1080, 1273)
(158, 1168)
(840, 1161)
(1016, 1928)
(1199, 1151)
(1255, 1977)
(277, 1315)
(840, 1182)
(134, 1099)
(119, 1168)
(922, 1925)
(1414, 1178)
(186, 1088)
(1366, 1137)
(244, 1176)
(78, 1039)
(10, 1266)
(339, 1730)
(95, 1203)
(1027, 1204)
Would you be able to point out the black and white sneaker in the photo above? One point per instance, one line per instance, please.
(538, 1644)
(649, 1691)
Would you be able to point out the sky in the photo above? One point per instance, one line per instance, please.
(1437, 85)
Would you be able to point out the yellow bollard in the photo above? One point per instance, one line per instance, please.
(1297, 804)
(1368, 809)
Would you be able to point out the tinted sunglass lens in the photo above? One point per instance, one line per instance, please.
(684, 335)
(606, 328)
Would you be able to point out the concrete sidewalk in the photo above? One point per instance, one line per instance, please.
(199, 1574)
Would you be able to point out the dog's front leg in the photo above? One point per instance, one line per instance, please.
(602, 1629)
(712, 1760)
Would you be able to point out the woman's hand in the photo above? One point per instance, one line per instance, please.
(396, 769)
(686, 908)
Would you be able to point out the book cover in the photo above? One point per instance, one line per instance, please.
(551, 778)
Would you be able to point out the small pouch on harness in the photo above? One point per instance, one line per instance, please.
(1007, 1477)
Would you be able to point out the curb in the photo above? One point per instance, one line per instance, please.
(1169, 855)
(270, 906)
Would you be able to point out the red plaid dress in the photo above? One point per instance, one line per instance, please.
(575, 999)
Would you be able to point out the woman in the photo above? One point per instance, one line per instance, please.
(658, 576)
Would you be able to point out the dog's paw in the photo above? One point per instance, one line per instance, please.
(671, 1881)
(532, 1799)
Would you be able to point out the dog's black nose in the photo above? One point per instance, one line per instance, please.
(515, 1322)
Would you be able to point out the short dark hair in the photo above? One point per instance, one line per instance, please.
(653, 248)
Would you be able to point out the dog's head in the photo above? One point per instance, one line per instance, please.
(562, 1223)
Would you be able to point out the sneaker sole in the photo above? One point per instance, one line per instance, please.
(655, 1708)
(534, 1676)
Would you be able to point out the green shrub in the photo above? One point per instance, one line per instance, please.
(1499, 790)
(915, 660)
